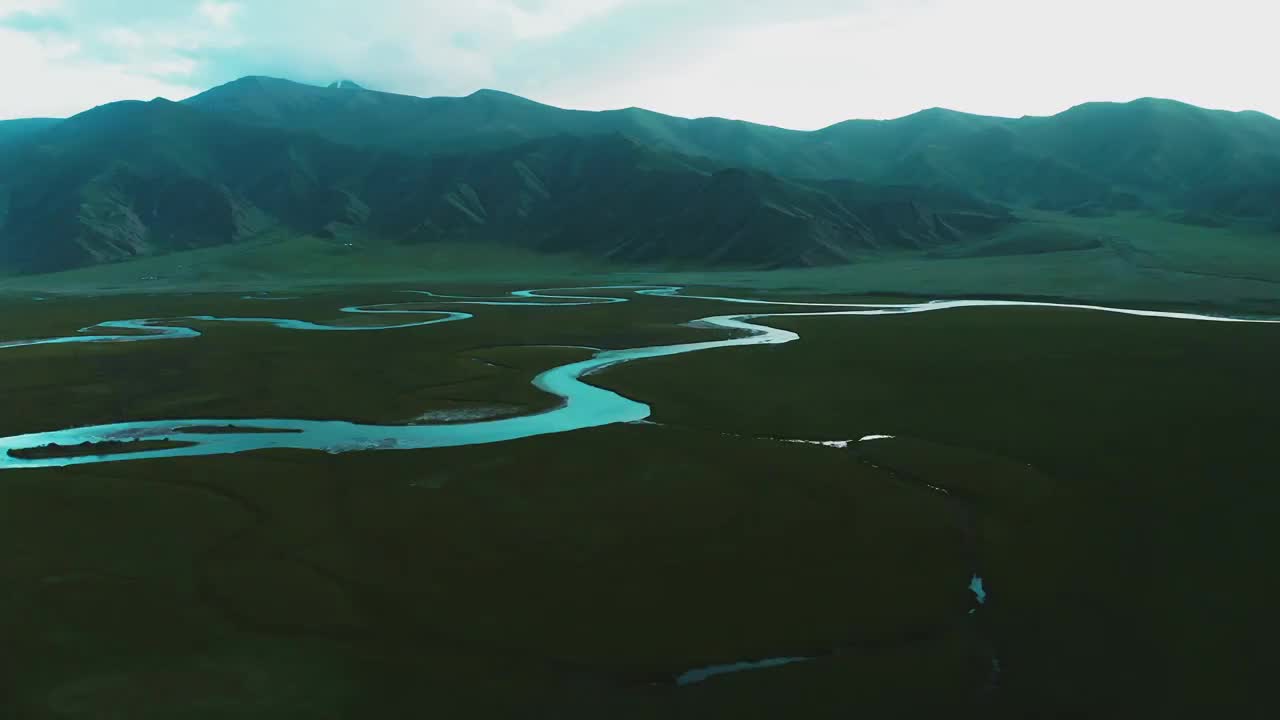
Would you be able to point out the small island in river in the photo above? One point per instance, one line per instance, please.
(86, 449)
(230, 430)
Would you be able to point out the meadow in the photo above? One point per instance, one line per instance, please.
(1138, 259)
(1108, 476)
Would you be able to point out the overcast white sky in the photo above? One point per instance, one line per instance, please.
(795, 63)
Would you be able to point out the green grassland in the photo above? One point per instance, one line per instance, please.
(1145, 571)
(557, 577)
(1109, 476)
(290, 261)
(1131, 258)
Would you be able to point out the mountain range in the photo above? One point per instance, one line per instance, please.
(261, 156)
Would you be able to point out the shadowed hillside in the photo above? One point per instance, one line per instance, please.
(12, 131)
(1096, 158)
(261, 157)
(135, 179)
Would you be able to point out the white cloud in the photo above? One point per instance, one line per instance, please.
(420, 47)
(61, 74)
(124, 38)
(553, 17)
(796, 63)
(174, 66)
(219, 13)
(34, 7)
(1003, 57)
(412, 46)
(53, 79)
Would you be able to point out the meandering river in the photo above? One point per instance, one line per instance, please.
(583, 405)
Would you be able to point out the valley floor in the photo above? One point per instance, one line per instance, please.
(1129, 259)
(1108, 477)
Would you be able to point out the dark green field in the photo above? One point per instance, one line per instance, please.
(1111, 477)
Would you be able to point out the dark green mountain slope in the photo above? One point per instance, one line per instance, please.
(615, 198)
(489, 119)
(1168, 153)
(985, 155)
(1100, 157)
(135, 178)
(16, 130)
(14, 134)
(260, 154)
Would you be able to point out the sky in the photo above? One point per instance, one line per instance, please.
(801, 64)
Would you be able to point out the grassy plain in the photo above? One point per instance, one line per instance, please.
(1143, 576)
(1134, 258)
(1109, 476)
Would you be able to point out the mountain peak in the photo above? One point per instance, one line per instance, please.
(344, 85)
(1147, 104)
(487, 93)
